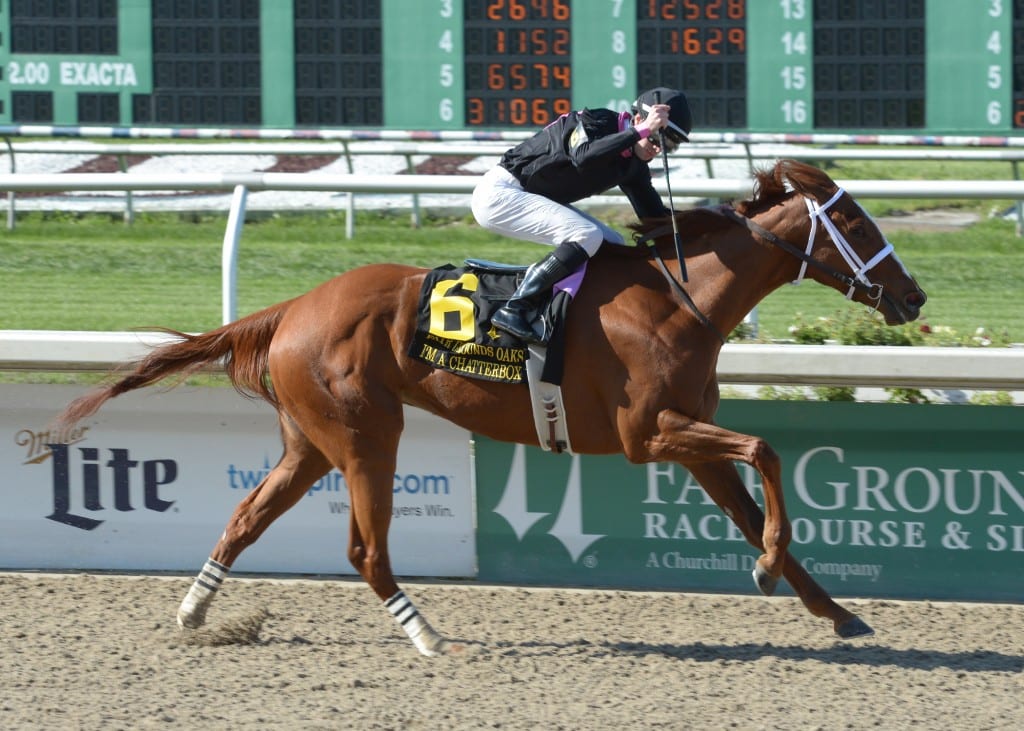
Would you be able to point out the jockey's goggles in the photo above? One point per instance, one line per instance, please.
(671, 137)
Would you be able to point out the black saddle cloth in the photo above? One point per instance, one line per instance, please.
(453, 323)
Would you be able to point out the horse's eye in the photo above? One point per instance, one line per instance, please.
(858, 230)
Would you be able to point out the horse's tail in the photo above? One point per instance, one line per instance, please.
(243, 346)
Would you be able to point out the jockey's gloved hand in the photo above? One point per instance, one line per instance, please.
(656, 119)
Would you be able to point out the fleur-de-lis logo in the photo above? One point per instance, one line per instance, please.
(568, 525)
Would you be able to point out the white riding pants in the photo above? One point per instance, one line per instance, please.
(501, 205)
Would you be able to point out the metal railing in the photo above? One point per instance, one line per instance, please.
(753, 149)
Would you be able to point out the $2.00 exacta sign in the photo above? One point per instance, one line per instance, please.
(886, 500)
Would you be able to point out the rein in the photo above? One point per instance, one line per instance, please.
(817, 213)
(704, 319)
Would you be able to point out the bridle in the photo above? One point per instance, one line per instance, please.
(818, 213)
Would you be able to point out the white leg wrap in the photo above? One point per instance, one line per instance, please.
(192, 612)
(427, 641)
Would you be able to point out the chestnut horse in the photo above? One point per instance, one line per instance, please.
(333, 363)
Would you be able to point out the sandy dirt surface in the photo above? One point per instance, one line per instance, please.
(104, 652)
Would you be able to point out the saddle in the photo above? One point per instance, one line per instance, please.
(454, 333)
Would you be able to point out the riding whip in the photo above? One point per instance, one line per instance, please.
(672, 207)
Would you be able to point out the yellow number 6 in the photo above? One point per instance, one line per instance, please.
(443, 306)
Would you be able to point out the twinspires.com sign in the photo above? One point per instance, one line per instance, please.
(885, 500)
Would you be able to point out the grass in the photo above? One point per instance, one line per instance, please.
(91, 272)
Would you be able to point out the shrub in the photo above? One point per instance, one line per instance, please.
(855, 327)
(865, 327)
(835, 393)
(992, 398)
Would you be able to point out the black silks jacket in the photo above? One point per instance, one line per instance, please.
(580, 154)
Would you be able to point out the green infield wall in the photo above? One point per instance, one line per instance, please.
(886, 500)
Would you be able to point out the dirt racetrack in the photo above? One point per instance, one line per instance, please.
(104, 652)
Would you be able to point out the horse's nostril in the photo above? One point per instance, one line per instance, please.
(915, 299)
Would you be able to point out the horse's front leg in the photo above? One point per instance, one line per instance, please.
(691, 442)
(723, 483)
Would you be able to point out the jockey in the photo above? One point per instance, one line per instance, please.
(528, 195)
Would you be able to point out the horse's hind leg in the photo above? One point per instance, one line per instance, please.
(370, 473)
(300, 466)
(723, 483)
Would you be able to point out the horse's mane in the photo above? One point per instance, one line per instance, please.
(771, 186)
(692, 223)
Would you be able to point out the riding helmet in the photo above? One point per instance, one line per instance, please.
(680, 120)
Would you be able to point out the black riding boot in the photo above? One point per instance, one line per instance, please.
(537, 284)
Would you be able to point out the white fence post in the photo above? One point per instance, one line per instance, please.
(415, 196)
(350, 197)
(229, 255)
(129, 207)
(10, 193)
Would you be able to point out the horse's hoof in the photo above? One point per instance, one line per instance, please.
(765, 581)
(193, 620)
(431, 644)
(854, 627)
(436, 649)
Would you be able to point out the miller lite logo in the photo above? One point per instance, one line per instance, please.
(88, 480)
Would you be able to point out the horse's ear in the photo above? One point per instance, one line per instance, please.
(806, 179)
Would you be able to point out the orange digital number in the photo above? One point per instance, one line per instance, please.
(540, 75)
(563, 74)
(691, 41)
(560, 46)
(738, 38)
(495, 77)
(517, 77)
(538, 42)
(517, 111)
(476, 110)
(736, 9)
(540, 115)
(713, 44)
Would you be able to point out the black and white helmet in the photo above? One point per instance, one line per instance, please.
(680, 120)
